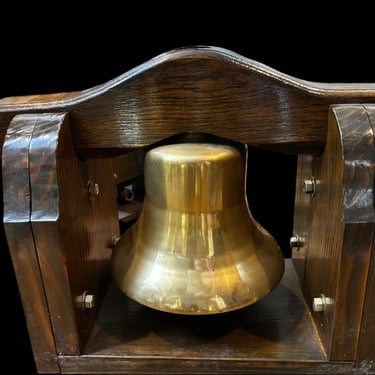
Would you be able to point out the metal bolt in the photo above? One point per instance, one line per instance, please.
(320, 304)
(115, 239)
(85, 301)
(93, 188)
(296, 241)
(126, 195)
(309, 186)
(89, 301)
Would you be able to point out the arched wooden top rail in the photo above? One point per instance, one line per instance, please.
(198, 89)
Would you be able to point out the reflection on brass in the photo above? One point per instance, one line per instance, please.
(196, 249)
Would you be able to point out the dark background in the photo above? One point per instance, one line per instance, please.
(44, 51)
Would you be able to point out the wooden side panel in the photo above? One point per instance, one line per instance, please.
(72, 229)
(15, 173)
(341, 231)
(357, 140)
(366, 347)
(351, 287)
(44, 218)
(302, 216)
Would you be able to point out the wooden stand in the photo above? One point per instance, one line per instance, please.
(59, 166)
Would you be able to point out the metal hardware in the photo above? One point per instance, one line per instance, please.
(92, 188)
(126, 195)
(296, 241)
(309, 186)
(115, 239)
(320, 304)
(85, 301)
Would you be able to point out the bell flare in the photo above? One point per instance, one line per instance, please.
(201, 252)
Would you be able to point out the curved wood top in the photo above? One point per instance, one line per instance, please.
(198, 89)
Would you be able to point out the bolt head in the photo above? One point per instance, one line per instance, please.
(309, 186)
(296, 241)
(115, 239)
(93, 188)
(84, 301)
(318, 304)
(89, 301)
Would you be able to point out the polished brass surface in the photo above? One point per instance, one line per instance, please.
(196, 249)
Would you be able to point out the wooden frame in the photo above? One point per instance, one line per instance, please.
(60, 234)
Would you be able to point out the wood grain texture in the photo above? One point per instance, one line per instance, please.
(204, 89)
(302, 216)
(72, 230)
(17, 204)
(342, 229)
(366, 348)
(44, 218)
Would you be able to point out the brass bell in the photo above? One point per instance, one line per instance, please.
(196, 249)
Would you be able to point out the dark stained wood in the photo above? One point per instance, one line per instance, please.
(155, 365)
(72, 230)
(204, 89)
(16, 190)
(342, 229)
(125, 168)
(275, 335)
(302, 215)
(358, 154)
(45, 213)
(366, 347)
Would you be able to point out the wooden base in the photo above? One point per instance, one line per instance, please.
(275, 335)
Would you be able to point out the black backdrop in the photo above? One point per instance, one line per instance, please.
(50, 54)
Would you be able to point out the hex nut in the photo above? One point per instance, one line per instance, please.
(309, 186)
(85, 301)
(89, 301)
(318, 304)
(114, 241)
(296, 241)
(93, 188)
